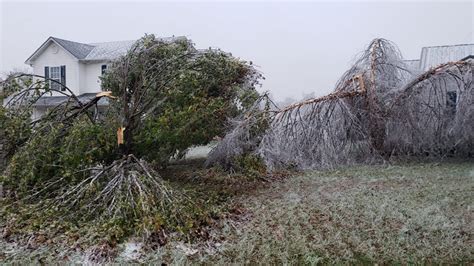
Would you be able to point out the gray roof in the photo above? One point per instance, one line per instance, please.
(113, 50)
(78, 50)
(104, 51)
(436, 55)
(108, 50)
(48, 101)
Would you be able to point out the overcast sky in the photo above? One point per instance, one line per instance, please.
(301, 47)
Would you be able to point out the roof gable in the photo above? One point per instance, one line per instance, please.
(77, 50)
(84, 51)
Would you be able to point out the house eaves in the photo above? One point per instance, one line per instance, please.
(75, 49)
(50, 101)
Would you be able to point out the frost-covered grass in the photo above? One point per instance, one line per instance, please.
(418, 213)
(421, 213)
(400, 214)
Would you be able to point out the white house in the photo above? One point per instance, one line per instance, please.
(433, 56)
(76, 65)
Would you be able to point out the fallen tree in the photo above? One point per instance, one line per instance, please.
(163, 97)
(378, 110)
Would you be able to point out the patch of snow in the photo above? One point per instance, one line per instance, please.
(188, 251)
(131, 251)
(198, 152)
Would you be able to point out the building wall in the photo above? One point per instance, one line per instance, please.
(92, 81)
(55, 55)
(82, 77)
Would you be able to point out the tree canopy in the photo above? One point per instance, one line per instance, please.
(164, 96)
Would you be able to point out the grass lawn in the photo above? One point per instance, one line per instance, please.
(421, 213)
(416, 213)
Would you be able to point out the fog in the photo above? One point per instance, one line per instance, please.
(301, 47)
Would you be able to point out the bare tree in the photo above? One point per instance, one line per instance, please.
(379, 109)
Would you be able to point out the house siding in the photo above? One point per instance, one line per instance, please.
(92, 78)
(80, 77)
(61, 57)
(82, 74)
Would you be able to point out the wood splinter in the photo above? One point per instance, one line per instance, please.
(120, 131)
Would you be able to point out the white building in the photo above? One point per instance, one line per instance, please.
(433, 56)
(76, 65)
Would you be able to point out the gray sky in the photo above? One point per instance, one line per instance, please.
(301, 47)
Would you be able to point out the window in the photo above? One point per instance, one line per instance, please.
(55, 74)
(103, 68)
(451, 101)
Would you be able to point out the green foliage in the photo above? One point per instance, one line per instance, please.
(250, 165)
(86, 144)
(182, 126)
(14, 85)
(59, 150)
(15, 120)
(184, 100)
(168, 96)
(14, 129)
(34, 162)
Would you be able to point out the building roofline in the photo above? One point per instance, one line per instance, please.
(99, 43)
(471, 56)
(48, 101)
(43, 46)
(448, 45)
(92, 46)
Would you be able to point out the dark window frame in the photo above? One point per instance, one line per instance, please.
(103, 68)
(56, 73)
(451, 101)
